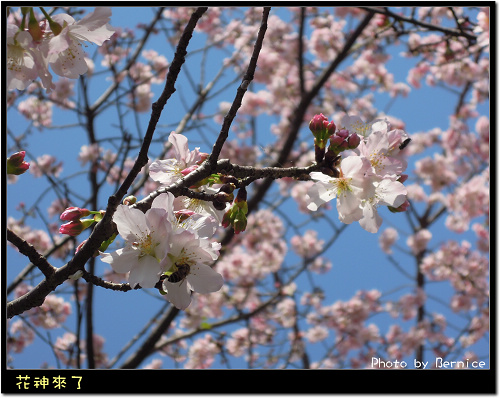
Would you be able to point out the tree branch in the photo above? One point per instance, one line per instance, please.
(449, 31)
(104, 228)
(247, 79)
(29, 251)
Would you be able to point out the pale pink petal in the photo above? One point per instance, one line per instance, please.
(130, 222)
(180, 145)
(145, 272)
(204, 279)
(94, 27)
(391, 193)
(165, 171)
(121, 260)
(371, 220)
(178, 294)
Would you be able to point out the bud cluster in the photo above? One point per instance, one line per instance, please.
(322, 129)
(76, 225)
(236, 216)
(224, 195)
(340, 140)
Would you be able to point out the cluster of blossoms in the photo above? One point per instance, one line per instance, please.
(56, 41)
(369, 176)
(168, 245)
(65, 348)
(51, 314)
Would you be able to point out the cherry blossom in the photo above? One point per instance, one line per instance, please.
(19, 336)
(147, 239)
(259, 282)
(21, 67)
(37, 110)
(65, 54)
(169, 171)
(349, 189)
(418, 241)
(387, 238)
(189, 249)
(386, 192)
(16, 164)
(379, 151)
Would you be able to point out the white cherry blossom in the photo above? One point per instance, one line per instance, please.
(350, 188)
(65, 53)
(197, 253)
(168, 171)
(21, 67)
(147, 239)
(387, 192)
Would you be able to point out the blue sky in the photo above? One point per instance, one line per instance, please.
(354, 265)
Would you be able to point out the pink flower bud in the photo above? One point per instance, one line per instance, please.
(16, 164)
(321, 129)
(343, 146)
(189, 169)
(402, 178)
(404, 207)
(343, 133)
(236, 214)
(203, 156)
(72, 228)
(74, 214)
(353, 141)
(331, 128)
(336, 141)
(75, 228)
(316, 124)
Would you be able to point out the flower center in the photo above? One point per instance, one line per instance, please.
(146, 246)
(15, 59)
(341, 184)
(377, 161)
(361, 128)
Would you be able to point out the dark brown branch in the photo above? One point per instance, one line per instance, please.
(449, 31)
(95, 280)
(203, 171)
(247, 79)
(104, 229)
(25, 272)
(148, 347)
(29, 251)
(301, 109)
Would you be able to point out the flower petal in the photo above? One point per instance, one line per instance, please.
(131, 223)
(121, 260)
(180, 145)
(204, 279)
(371, 220)
(178, 294)
(145, 272)
(165, 171)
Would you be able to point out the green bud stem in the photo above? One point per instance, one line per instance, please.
(54, 26)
